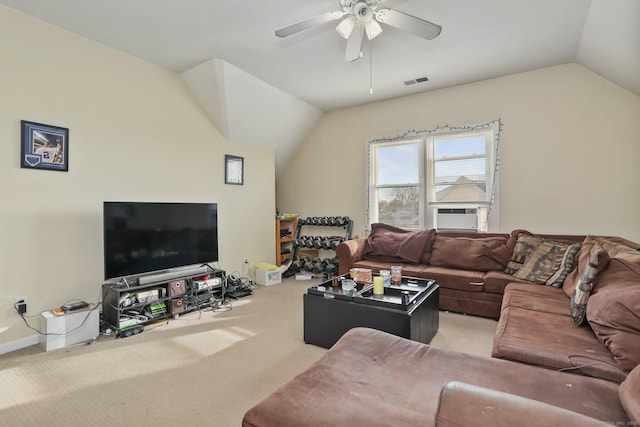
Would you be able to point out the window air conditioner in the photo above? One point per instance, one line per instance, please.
(457, 219)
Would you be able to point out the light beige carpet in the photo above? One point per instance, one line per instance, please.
(202, 369)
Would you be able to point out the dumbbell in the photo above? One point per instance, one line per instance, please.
(303, 241)
(332, 220)
(293, 269)
(327, 242)
(331, 268)
(336, 242)
(302, 221)
(299, 263)
(313, 266)
(310, 241)
(319, 265)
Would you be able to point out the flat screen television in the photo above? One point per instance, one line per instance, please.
(143, 237)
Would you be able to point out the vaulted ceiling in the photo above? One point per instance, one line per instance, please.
(306, 73)
(480, 39)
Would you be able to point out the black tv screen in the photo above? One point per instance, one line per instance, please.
(142, 237)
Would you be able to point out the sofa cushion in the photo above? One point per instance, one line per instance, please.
(481, 304)
(613, 310)
(629, 393)
(496, 281)
(550, 340)
(465, 280)
(468, 253)
(598, 261)
(543, 299)
(392, 244)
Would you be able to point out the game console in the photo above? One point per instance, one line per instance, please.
(201, 285)
(72, 306)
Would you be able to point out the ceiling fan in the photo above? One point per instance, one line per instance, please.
(364, 16)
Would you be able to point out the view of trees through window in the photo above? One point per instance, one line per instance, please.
(410, 179)
(399, 206)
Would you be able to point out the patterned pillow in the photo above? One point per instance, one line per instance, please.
(566, 265)
(524, 247)
(541, 265)
(598, 260)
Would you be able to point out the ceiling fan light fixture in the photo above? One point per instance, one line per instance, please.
(362, 12)
(345, 27)
(373, 29)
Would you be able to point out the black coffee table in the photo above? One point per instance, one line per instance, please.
(329, 311)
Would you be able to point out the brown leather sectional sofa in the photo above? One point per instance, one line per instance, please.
(371, 378)
(477, 275)
(547, 331)
(469, 267)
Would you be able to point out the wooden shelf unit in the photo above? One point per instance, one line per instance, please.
(286, 242)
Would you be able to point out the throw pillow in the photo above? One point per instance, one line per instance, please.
(467, 253)
(392, 244)
(583, 257)
(549, 264)
(566, 266)
(524, 247)
(598, 260)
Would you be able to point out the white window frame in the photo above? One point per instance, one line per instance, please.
(488, 214)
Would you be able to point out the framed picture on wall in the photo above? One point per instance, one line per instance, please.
(44, 147)
(233, 170)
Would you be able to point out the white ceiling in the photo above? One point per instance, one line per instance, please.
(480, 39)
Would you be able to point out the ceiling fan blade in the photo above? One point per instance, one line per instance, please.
(420, 27)
(309, 23)
(354, 43)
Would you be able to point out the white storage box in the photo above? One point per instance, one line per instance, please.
(268, 277)
(71, 328)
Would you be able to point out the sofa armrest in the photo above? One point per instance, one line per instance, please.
(464, 404)
(348, 252)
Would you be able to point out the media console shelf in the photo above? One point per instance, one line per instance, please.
(127, 307)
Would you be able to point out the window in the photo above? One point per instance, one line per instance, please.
(444, 178)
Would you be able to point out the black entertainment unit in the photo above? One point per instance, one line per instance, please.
(128, 306)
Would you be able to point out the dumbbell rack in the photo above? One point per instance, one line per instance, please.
(322, 242)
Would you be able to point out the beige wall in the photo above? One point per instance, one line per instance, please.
(136, 133)
(569, 151)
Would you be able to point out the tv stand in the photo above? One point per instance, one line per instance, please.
(128, 305)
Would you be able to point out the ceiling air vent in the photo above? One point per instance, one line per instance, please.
(414, 81)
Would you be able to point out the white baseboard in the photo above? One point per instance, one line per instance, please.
(19, 344)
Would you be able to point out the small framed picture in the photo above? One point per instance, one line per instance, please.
(233, 170)
(44, 147)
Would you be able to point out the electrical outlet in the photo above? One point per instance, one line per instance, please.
(21, 304)
(245, 260)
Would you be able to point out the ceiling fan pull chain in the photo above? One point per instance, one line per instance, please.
(370, 67)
